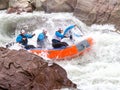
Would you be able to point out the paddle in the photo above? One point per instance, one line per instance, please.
(10, 44)
(79, 27)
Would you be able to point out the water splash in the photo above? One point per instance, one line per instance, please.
(96, 70)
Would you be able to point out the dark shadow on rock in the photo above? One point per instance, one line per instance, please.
(21, 70)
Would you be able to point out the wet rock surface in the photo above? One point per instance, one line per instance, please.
(88, 11)
(21, 70)
(59, 5)
(98, 11)
(4, 4)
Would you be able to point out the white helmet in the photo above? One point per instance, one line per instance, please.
(22, 31)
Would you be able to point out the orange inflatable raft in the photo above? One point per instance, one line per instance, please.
(65, 53)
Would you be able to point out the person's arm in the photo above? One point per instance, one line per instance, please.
(58, 34)
(29, 35)
(69, 28)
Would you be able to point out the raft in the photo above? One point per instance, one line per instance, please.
(65, 53)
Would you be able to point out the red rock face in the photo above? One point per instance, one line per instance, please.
(21, 70)
(48, 5)
(4, 4)
(98, 11)
(88, 11)
(59, 5)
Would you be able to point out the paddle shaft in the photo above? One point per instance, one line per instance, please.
(79, 27)
(10, 44)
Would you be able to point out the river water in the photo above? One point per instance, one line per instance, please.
(98, 69)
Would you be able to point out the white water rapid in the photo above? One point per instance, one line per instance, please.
(99, 69)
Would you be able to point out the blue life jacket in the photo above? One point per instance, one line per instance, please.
(41, 37)
(20, 37)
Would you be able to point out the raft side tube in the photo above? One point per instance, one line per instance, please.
(84, 44)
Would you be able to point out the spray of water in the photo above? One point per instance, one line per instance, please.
(96, 70)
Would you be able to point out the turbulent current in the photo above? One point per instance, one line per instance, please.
(99, 69)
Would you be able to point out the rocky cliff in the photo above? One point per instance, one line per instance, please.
(4, 4)
(98, 11)
(88, 11)
(21, 70)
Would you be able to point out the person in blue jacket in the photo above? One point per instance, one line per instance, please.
(56, 41)
(22, 38)
(42, 37)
